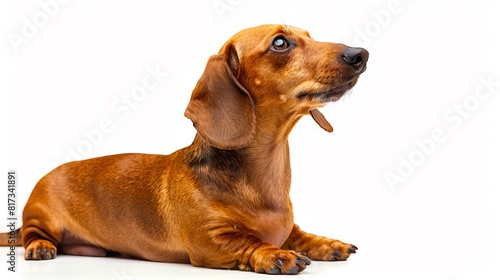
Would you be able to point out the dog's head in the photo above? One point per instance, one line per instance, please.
(270, 69)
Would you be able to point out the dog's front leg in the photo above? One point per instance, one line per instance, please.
(318, 247)
(233, 248)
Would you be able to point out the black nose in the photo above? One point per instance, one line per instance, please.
(356, 57)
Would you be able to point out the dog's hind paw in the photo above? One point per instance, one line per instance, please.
(40, 249)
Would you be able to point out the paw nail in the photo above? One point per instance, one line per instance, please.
(302, 263)
(45, 250)
(52, 252)
(293, 270)
(354, 247)
(337, 254)
(306, 260)
(275, 270)
(279, 263)
(352, 250)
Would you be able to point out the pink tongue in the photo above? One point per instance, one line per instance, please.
(320, 120)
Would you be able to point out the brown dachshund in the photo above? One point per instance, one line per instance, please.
(223, 201)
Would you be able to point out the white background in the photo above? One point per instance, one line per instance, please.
(70, 70)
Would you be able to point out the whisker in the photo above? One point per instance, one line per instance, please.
(284, 24)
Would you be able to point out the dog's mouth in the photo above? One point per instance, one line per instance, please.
(332, 93)
(329, 95)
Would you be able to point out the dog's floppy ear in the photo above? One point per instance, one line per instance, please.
(221, 109)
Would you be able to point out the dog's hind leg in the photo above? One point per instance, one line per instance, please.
(40, 235)
(41, 231)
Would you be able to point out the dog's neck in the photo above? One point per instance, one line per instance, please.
(260, 171)
(268, 156)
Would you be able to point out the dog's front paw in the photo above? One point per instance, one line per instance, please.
(326, 249)
(272, 260)
(40, 249)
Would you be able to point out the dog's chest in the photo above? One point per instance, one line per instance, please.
(273, 226)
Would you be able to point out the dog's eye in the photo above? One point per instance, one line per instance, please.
(280, 44)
